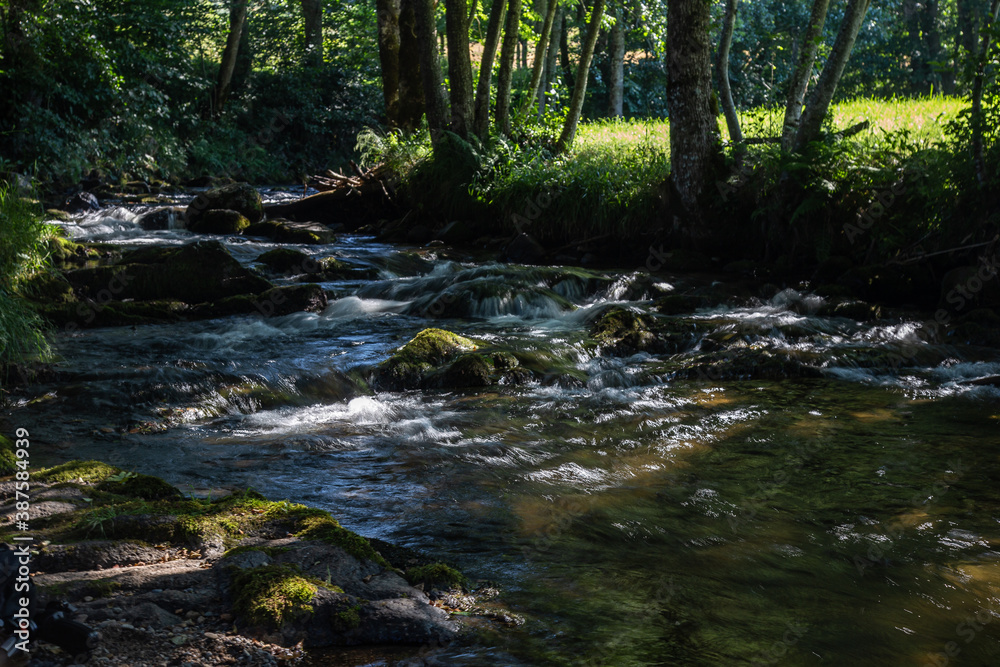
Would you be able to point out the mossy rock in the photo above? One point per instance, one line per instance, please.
(63, 251)
(288, 260)
(274, 302)
(136, 485)
(622, 331)
(56, 214)
(50, 288)
(272, 595)
(238, 197)
(219, 221)
(429, 350)
(324, 528)
(113, 313)
(71, 471)
(198, 272)
(851, 309)
(8, 461)
(436, 575)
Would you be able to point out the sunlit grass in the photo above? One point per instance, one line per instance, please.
(924, 118)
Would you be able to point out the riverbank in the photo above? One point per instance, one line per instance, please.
(169, 579)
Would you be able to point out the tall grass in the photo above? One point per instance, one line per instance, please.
(23, 252)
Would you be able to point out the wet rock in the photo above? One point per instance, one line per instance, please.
(286, 231)
(289, 261)
(524, 249)
(82, 202)
(274, 302)
(168, 217)
(748, 363)
(320, 595)
(238, 197)
(851, 309)
(621, 331)
(429, 350)
(219, 221)
(681, 304)
(198, 272)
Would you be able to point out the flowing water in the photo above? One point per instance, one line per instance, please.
(631, 517)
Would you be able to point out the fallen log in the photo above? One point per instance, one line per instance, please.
(351, 201)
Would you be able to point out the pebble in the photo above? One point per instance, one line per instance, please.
(89, 598)
(192, 614)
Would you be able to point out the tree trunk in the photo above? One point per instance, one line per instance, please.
(481, 123)
(550, 58)
(819, 101)
(430, 69)
(725, 90)
(237, 15)
(582, 72)
(504, 77)
(803, 71)
(694, 131)
(387, 20)
(459, 66)
(411, 90)
(244, 59)
(616, 69)
(969, 19)
(312, 11)
(541, 48)
(564, 53)
(976, 119)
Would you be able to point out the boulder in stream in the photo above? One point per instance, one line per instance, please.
(237, 197)
(219, 221)
(198, 272)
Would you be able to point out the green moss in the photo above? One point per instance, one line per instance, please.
(437, 575)
(8, 461)
(102, 588)
(326, 529)
(349, 618)
(139, 486)
(86, 471)
(272, 595)
(220, 221)
(270, 551)
(427, 350)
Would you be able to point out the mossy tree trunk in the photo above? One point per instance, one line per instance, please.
(430, 69)
(481, 121)
(694, 132)
(459, 66)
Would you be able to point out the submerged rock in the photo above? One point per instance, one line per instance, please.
(238, 197)
(168, 217)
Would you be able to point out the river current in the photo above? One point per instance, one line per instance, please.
(636, 516)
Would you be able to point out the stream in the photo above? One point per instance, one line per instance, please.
(633, 517)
